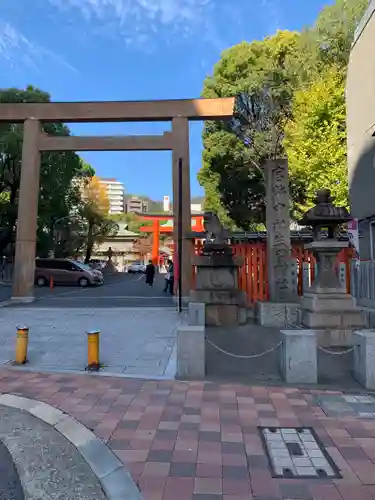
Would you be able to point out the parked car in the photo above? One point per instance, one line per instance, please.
(136, 268)
(97, 264)
(66, 272)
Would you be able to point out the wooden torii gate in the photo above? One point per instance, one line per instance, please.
(33, 115)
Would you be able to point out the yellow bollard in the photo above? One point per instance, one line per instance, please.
(21, 345)
(93, 363)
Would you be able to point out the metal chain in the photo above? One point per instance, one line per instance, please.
(337, 353)
(253, 356)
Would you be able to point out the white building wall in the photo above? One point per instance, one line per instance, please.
(115, 191)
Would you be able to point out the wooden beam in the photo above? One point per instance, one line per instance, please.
(120, 143)
(119, 111)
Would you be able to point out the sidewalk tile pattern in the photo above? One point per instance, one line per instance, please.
(349, 404)
(201, 440)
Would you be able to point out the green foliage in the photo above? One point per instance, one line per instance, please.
(94, 211)
(57, 196)
(132, 221)
(334, 30)
(260, 73)
(290, 83)
(315, 140)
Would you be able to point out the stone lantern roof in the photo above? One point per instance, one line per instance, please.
(325, 215)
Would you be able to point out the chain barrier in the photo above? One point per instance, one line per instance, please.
(252, 356)
(340, 353)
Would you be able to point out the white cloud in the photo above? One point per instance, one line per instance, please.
(164, 11)
(18, 51)
(136, 21)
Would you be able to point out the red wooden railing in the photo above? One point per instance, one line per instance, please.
(253, 274)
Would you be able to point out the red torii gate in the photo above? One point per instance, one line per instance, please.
(157, 228)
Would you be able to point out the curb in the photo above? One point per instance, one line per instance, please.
(115, 480)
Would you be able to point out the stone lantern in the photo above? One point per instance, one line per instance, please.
(217, 278)
(326, 306)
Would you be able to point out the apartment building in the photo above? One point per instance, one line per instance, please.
(360, 104)
(115, 192)
(136, 205)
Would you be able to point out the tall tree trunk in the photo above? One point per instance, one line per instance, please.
(90, 242)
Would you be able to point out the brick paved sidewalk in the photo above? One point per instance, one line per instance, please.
(200, 441)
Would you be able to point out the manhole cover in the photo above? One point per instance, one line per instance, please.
(355, 405)
(297, 453)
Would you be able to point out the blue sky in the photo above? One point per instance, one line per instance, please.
(133, 50)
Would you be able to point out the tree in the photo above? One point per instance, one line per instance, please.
(315, 139)
(334, 29)
(144, 245)
(265, 76)
(56, 195)
(260, 75)
(95, 212)
(315, 136)
(132, 221)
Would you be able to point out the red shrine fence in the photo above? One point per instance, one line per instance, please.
(253, 275)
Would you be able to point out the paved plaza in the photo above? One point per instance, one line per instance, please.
(119, 290)
(203, 441)
(137, 323)
(133, 341)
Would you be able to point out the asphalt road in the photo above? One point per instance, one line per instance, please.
(119, 290)
(10, 484)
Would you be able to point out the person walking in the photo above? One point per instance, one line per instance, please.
(150, 273)
(169, 278)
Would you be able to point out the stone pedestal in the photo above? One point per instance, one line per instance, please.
(217, 288)
(277, 314)
(364, 358)
(326, 306)
(298, 358)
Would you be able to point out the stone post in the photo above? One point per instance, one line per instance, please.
(298, 357)
(180, 131)
(24, 264)
(191, 352)
(364, 357)
(279, 262)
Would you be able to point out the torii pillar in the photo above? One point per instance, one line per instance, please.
(180, 132)
(155, 242)
(24, 263)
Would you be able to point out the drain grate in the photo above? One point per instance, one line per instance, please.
(296, 452)
(354, 405)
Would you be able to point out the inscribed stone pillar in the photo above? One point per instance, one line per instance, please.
(279, 260)
(180, 131)
(24, 264)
